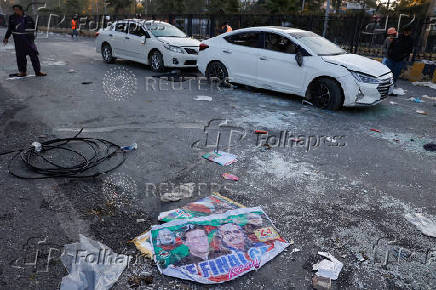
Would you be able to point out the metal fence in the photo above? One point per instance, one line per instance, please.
(358, 33)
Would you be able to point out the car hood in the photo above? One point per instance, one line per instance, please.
(358, 63)
(180, 41)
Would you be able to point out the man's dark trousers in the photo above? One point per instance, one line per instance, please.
(24, 47)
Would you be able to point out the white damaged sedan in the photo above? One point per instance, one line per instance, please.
(298, 62)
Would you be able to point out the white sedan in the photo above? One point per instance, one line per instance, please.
(153, 43)
(298, 62)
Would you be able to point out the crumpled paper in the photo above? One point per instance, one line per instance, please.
(329, 268)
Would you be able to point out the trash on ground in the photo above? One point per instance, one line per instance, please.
(265, 147)
(86, 83)
(329, 268)
(425, 84)
(216, 248)
(52, 62)
(203, 98)
(220, 157)
(375, 130)
(215, 203)
(230, 176)
(321, 283)
(416, 100)
(85, 272)
(138, 281)
(331, 139)
(132, 147)
(295, 250)
(182, 191)
(421, 112)
(261, 132)
(140, 220)
(429, 147)
(428, 97)
(424, 224)
(16, 77)
(306, 102)
(360, 257)
(399, 91)
(393, 103)
(71, 71)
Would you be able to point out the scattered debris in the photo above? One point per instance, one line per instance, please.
(416, 100)
(421, 112)
(425, 84)
(398, 91)
(261, 132)
(91, 271)
(181, 191)
(430, 147)
(360, 257)
(86, 83)
(248, 240)
(220, 157)
(375, 130)
(265, 147)
(295, 250)
(16, 77)
(71, 71)
(424, 224)
(230, 176)
(306, 102)
(331, 139)
(329, 268)
(321, 283)
(428, 97)
(203, 98)
(132, 147)
(140, 220)
(393, 103)
(138, 281)
(52, 62)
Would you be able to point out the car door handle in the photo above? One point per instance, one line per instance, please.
(263, 58)
(227, 51)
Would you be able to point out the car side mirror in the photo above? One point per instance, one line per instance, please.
(144, 39)
(299, 56)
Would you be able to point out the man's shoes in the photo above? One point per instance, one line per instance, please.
(21, 74)
(40, 74)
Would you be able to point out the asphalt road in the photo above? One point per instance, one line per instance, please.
(348, 200)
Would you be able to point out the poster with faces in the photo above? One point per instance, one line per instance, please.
(216, 248)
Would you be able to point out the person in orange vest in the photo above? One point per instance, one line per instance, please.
(74, 27)
(225, 27)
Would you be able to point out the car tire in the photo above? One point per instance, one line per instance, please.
(326, 93)
(106, 53)
(156, 62)
(218, 70)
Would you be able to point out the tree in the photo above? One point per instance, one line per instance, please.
(282, 6)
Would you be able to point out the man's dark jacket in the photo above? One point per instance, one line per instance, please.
(400, 48)
(22, 28)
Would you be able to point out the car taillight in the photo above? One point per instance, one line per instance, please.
(97, 34)
(203, 46)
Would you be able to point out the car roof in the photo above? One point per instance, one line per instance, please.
(273, 29)
(143, 21)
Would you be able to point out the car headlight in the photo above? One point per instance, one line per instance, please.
(363, 78)
(173, 48)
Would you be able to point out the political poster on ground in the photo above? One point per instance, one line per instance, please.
(216, 248)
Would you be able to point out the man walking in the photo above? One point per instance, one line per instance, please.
(21, 26)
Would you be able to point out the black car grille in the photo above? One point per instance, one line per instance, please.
(191, 51)
(383, 88)
(190, 62)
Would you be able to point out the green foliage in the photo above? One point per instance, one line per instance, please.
(282, 6)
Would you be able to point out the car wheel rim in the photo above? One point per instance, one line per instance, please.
(218, 72)
(323, 95)
(106, 54)
(155, 61)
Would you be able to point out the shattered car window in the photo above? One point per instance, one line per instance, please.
(321, 46)
(164, 30)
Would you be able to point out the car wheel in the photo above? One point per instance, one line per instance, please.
(217, 70)
(106, 52)
(156, 62)
(326, 94)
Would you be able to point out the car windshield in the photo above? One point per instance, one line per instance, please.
(164, 30)
(320, 45)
